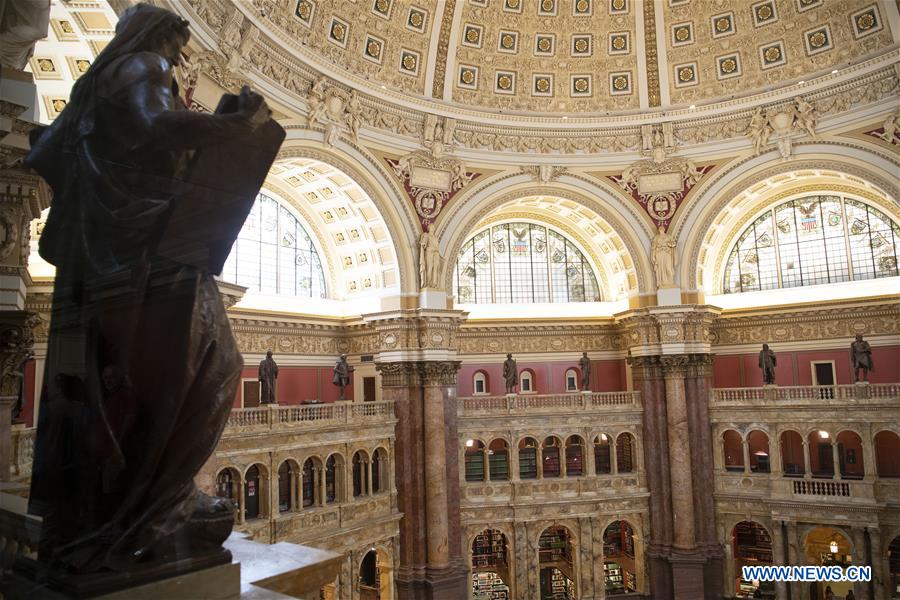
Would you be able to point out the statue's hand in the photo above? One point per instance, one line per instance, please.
(253, 107)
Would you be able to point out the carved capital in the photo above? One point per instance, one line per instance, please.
(399, 374)
(700, 365)
(674, 365)
(16, 347)
(440, 373)
(645, 367)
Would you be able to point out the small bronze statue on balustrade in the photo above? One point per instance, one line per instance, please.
(584, 365)
(268, 374)
(343, 374)
(142, 367)
(861, 358)
(510, 374)
(767, 362)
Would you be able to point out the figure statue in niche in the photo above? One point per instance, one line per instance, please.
(268, 373)
(510, 374)
(861, 357)
(767, 362)
(429, 260)
(662, 256)
(343, 374)
(759, 131)
(142, 367)
(584, 365)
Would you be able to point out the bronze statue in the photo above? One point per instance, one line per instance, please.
(584, 364)
(268, 373)
(861, 357)
(767, 362)
(142, 367)
(343, 374)
(510, 374)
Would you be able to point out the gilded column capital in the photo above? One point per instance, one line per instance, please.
(16, 347)
(645, 367)
(675, 365)
(399, 374)
(439, 373)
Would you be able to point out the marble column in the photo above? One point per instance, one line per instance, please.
(835, 459)
(432, 566)
(648, 380)
(878, 558)
(860, 557)
(745, 448)
(684, 538)
(807, 463)
(779, 557)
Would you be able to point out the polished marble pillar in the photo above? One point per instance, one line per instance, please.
(431, 563)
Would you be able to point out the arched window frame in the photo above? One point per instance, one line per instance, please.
(251, 273)
(480, 377)
(841, 254)
(487, 260)
(526, 382)
(571, 379)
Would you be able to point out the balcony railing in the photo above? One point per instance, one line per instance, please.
(821, 488)
(548, 403)
(873, 393)
(309, 416)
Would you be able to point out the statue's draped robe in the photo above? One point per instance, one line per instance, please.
(142, 367)
(268, 373)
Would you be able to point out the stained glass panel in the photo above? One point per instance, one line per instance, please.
(523, 263)
(274, 255)
(806, 242)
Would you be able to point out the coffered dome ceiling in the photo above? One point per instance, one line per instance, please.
(574, 56)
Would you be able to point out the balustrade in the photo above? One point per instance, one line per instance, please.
(839, 394)
(309, 415)
(537, 403)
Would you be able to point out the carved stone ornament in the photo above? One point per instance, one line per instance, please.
(660, 184)
(780, 125)
(431, 181)
(544, 174)
(336, 109)
(889, 131)
(16, 343)
(9, 232)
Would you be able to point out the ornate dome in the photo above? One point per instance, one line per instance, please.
(580, 57)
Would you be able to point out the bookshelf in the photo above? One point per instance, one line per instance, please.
(618, 579)
(499, 465)
(489, 550)
(618, 539)
(551, 461)
(574, 461)
(528, 463)
(561, 587)
(554, 546)
(489, 586)
(474, 465)
(752, 543)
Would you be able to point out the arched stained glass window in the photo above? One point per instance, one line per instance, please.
(810, 241)
(274, 255)
(523, 263)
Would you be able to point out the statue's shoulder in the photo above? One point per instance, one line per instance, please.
(138, 67)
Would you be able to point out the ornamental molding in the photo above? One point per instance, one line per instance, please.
(820, 323)
(279, 56)
(431, 181)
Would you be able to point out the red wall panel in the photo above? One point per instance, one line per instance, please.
(299, 384)
(549, 377)
(794, 367)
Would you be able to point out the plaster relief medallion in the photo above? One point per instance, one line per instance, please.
(746, 482)
(557, 343)
(780, 332)
(672, 333)
(390, 340)
(581, 45)
(488, 491)
(494, 345)
(866, 21)
(662, 209)
(284, 344)
(437, 339)
(858, 327)
(554, 487)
